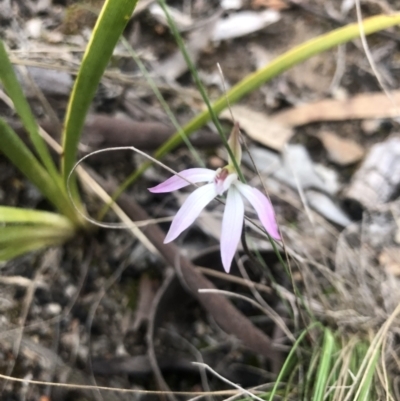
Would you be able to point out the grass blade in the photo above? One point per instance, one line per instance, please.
(109, 26)
(200, 86)
(16, 241)
(14, 215)
(162, 101)
(18, 153)
(22, 248)
(323, 370)
(14, 91)
(16, 234)
(366, 393)
(286, 368)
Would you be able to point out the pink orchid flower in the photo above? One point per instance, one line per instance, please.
(218, 182)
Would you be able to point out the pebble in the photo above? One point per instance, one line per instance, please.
(53, 309)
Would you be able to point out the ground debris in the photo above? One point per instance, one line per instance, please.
(341, 151)
(89, 316)
(377, 180)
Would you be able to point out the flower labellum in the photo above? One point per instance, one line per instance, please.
(218, 182)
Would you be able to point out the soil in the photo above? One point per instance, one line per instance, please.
(103, 310)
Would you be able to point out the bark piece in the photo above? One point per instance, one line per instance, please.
(377, 181)
(102, 130)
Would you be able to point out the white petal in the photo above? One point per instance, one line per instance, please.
(189, 211)
(262, 206)
(193, 175)
(232, 225)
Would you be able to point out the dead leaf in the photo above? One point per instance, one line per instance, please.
(364, 106)
(340, 150)
(276, 130)
(259, 127)
(389, 259)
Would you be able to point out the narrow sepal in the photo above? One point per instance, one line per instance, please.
(263, 207)
(232, 225)
(193, 175)
(189, 211)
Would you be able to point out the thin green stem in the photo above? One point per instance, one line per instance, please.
(200, 86)
(162, 101)
(253, 81)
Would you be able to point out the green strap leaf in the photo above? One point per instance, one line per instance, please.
(17, 240)
(18, 153)
(110, 25)
(18, 215)
(14, 91)
(21, 248)
(18, 234)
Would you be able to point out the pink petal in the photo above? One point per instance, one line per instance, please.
(263, 208)
(175, 182)
(232, 224)
(189, 211)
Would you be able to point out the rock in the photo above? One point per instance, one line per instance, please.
(34, 28)
(377, 181)
(243, 23)
(53, 309)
